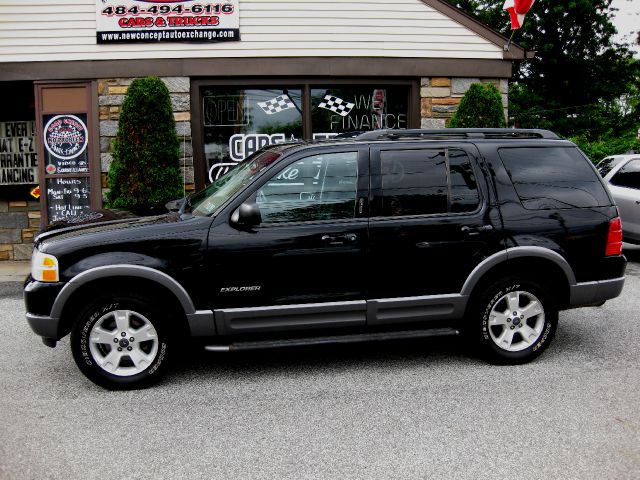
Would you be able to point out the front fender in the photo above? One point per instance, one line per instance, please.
(120, 270)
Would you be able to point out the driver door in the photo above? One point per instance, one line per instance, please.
(308, 251)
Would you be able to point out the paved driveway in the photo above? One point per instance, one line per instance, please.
(400, 410)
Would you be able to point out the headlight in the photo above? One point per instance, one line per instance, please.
(44, 267)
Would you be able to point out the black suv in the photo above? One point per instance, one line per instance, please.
(391, 234)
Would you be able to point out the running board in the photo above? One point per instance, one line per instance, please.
(353, 338)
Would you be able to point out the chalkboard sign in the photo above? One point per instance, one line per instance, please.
(65, 144)
(68, 197)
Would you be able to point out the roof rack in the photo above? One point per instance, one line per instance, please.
(452, 133)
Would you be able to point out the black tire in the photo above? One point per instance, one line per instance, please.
(514, 321)
(97, 333)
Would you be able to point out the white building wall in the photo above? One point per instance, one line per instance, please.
(57, 30)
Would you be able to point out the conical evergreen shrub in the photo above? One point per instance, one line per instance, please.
(481, 107)
(145, 171)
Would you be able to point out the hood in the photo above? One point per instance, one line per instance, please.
(101, 221)
(90, 218)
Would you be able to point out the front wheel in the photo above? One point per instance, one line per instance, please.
(518, 321)
(120, 343)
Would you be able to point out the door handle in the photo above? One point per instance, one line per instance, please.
(471, 231)
(339, 239)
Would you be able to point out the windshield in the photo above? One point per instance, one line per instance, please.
(208, 201)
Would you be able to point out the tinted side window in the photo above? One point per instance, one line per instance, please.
(553, 177)
(320, 187)
(428, 181)
(628, 175)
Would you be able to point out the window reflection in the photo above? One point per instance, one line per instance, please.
(238, 122)
(320, 187)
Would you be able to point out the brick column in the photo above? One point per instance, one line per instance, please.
(440, 97)
(19, 223)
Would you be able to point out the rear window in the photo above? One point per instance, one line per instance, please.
(553, 177)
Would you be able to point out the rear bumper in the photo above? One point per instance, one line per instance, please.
(594, 293)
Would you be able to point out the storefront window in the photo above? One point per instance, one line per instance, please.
(18, 157)
(238, 122)
(358, 108)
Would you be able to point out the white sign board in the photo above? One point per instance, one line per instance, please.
(130, 21)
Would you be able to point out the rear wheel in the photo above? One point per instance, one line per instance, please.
(518, 321)
(120, 342)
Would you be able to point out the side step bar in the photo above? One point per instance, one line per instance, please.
(335, 339)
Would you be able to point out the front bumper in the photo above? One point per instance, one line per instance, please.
(39, 298)
(45, 326)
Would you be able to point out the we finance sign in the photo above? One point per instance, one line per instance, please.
(131, 21)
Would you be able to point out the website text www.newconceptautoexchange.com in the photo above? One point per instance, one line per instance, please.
(156, 35)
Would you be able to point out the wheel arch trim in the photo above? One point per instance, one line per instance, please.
(512, 253)
(138, 271)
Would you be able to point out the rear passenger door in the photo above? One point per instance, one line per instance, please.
(430, 219)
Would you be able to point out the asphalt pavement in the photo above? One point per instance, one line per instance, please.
(411, 409)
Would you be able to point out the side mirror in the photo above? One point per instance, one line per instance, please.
(247, 215)
(174, 205)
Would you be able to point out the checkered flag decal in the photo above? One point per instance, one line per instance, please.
(276, 105)
(336, 104)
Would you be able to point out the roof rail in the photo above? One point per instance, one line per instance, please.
(452, 133)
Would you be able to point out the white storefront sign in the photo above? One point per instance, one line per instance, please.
(130, 21)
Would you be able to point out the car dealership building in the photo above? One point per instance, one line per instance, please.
(241, 74)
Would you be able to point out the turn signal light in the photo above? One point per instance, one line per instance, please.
(44, 267)
(614, 238)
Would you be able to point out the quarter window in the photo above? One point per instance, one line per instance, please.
(320, 187)
(553, 177)
(428, 181)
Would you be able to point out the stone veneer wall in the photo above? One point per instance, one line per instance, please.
(440, 97)
(110, 97)
(19, 223)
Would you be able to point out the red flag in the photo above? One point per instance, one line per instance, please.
(517, 10)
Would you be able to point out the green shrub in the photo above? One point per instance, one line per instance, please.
(607, 145)
(481, 107)
(145, 171)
